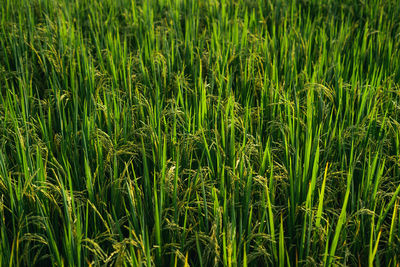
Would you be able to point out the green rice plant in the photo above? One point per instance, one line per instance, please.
(198, 133)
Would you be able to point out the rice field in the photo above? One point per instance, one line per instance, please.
(199, 133)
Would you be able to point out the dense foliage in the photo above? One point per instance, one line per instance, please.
(199, 132)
